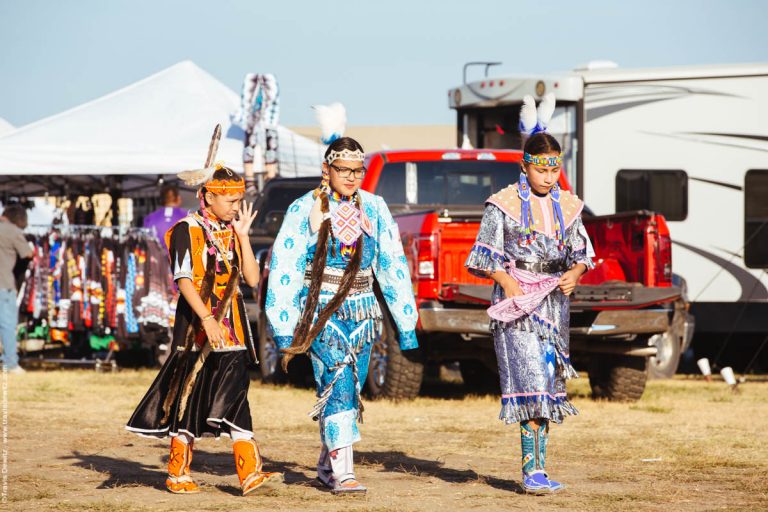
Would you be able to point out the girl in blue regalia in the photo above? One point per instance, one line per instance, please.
(333, 243)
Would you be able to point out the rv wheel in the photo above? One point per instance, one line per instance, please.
(664, 364)
(617, 378)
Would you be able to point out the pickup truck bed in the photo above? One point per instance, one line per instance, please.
(623, 313)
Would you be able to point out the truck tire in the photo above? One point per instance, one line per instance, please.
(269, 355)
(392, 373)
(617, 378)
(664, 364)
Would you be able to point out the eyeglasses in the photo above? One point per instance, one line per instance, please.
(346, 172)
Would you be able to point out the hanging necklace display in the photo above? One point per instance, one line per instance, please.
(131, 325)
(85, 267)
(100, 292)
(77, 280)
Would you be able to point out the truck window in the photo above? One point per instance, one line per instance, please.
(392, 183)
(661, 191)
(278, 199)
(448, 182)
(756, 219)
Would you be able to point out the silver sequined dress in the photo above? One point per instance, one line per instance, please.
(532, 352)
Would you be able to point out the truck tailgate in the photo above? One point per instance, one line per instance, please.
(456, 240)
(591, 297)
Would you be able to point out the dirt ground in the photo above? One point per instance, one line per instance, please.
(687, 445)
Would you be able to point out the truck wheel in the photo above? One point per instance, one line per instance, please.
(269, 355)
(617, 378)
(391, 372)
(478, 378)
(664, 364)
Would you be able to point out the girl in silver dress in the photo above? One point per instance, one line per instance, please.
(533, 244)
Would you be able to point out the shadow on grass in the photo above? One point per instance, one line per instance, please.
(399, 462)
(121, 472)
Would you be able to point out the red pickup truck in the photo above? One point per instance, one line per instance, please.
(628, 320)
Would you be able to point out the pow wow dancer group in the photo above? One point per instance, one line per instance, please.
(336, 243)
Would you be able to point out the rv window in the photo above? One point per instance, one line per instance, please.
(665, 192)
(756, 219)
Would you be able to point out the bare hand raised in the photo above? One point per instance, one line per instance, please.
(242, 225)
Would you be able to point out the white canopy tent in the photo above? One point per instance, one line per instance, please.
(154, 127)
(5, 127)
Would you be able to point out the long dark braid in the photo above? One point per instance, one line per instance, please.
(306, 332)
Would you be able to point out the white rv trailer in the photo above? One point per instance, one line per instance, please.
(689, 142)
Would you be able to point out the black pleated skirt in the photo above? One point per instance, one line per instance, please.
(218, 403)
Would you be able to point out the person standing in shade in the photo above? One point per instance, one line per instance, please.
(13, 245)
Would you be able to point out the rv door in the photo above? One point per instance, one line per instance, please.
(496, 127)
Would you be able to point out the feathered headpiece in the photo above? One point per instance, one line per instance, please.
(533, 120)
(333, 121)
(203, 177)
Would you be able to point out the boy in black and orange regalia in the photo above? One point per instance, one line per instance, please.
(202, 389)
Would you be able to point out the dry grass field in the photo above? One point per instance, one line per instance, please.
(686, 446)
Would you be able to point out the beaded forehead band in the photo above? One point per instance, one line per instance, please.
(345, 154)
(225, 187)
(543, 161)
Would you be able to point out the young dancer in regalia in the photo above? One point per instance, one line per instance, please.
(202, 389)
(333, 243)
(533, 244)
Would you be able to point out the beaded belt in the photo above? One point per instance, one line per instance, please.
(331, 279)
(542, 267)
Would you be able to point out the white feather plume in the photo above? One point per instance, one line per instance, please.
(197, 177)
(333, 121)
(546, 109)
(528, 114)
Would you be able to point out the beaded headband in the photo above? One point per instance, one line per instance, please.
(225, 187)
(543, 161)
(345, 154)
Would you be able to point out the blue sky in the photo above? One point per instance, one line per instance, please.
(390, 62)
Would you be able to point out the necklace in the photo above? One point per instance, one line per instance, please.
(341, 198)
(218, 240)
